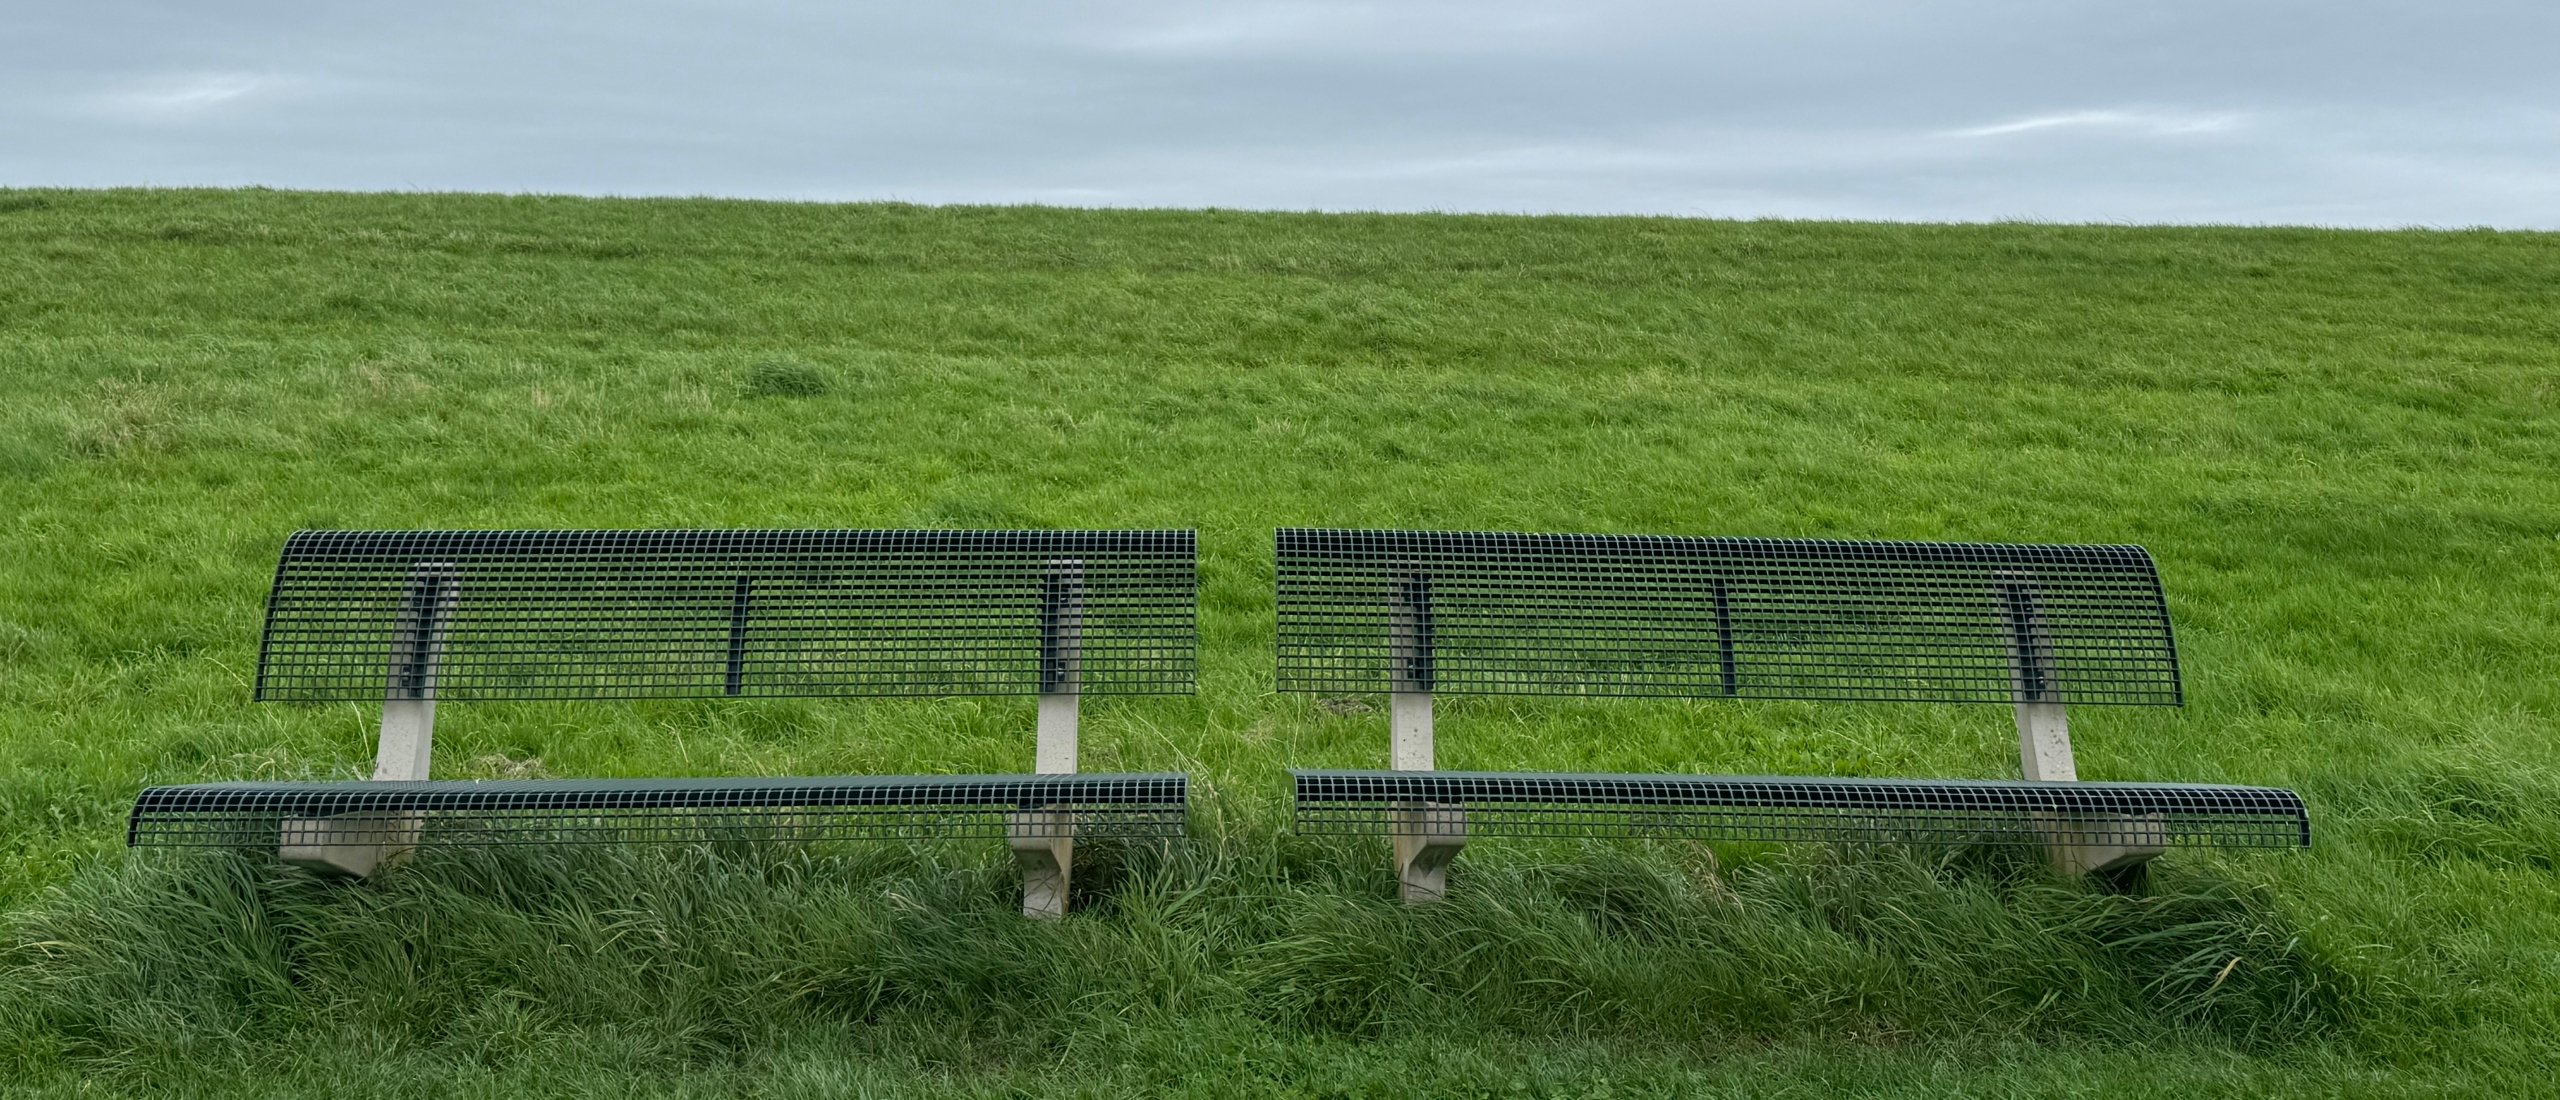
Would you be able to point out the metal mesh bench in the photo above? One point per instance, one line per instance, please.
(421, 617)
(2036, 628)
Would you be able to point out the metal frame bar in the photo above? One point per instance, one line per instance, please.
(1798, 808)
(464, 812)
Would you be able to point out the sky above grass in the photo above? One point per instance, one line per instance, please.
(2356, 112)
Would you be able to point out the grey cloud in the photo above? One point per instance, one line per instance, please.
(2185, 110)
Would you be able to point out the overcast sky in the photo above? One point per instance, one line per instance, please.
(2341, 112)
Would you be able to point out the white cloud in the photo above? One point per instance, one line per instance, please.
(1339, 28)
(189, 95)
(2146, 123)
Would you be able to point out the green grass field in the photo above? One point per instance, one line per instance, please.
(2341, 447)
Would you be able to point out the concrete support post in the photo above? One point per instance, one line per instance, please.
(1409, 718)
(408, 743)
(1044, 848)
(1426, 837)
(1044, 842)
(2044, 731)
(2044, 742)
(2076, 844)
(357, 844)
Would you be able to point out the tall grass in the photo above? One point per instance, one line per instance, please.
(695, 956)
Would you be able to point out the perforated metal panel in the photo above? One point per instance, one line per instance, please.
(468, 615)
(1635, 615)
(1905, 811)
(658, 810)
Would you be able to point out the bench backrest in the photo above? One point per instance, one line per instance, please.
(469, 615)
(1748, 618)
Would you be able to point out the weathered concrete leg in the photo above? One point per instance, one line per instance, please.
(1410, 714)
(360, 843)
(2044, 743)
(1427, 838)
(350, 844)
(1043, 841)
(1056, 754)
(1044, 847)
(2079, 845)
(2102, 844)
(408, 745)
(2075, 844)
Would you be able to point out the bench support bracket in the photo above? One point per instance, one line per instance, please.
(1044, 848)
(1044, 843)
(1426, 837)
(357, 844)
(2075, 845)
(2102, 844)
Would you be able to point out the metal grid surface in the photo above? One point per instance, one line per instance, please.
(1638, 615)
(1907, 811)
(659, 810)
(465, 615)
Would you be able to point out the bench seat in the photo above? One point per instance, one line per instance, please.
(795, 808)
(1754, 808)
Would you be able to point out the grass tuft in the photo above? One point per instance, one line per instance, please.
(783, 378)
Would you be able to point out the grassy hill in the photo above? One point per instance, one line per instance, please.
(2341, 447)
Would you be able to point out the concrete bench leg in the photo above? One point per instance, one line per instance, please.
(1428, 837)
(1425, 837)
(2102, 844)
(2078, 845)
(1043, 841)
(358, 844)
(1044, 847)
(2075, 844)
(349, 844)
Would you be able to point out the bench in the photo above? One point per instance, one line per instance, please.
(2035, 628)
(418, 618)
